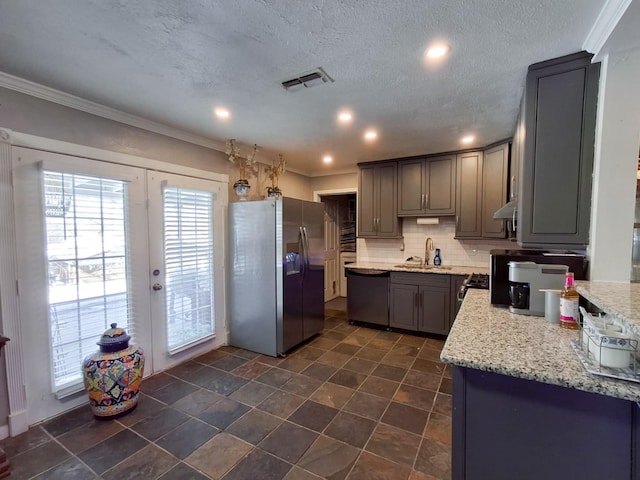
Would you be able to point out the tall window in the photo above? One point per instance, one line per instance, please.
(188, 250)
(86, 227)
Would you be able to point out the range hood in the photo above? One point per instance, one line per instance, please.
(507, 212)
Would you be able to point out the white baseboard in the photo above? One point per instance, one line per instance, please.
(18, 423)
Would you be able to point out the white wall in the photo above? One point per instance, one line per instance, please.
(615, 165)
(473, 253)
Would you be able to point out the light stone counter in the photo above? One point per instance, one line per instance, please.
(621, 299)
(445, 269)
(493, 339)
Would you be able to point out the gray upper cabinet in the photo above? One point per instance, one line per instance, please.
(495, 177)
(411, 187)
(469, 195)
(377, 201)
(559, 120)
(517, 155)
(482, 179)
(427, 186)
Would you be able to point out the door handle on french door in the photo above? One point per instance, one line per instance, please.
(157, 287)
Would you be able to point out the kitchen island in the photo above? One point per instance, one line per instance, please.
(524, 407)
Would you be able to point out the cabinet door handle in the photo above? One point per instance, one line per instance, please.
(457, 221)
(422, 202)
(426, 201)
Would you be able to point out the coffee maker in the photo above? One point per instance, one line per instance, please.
(527, 279)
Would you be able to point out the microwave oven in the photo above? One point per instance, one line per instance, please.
(499, 268)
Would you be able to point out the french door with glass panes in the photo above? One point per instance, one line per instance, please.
(186, 258)
(101, 243)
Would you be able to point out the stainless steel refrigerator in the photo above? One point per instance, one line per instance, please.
(276, 270)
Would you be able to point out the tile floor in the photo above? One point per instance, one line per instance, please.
(354, 403)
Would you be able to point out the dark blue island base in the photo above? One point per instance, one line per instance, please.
(507, 428)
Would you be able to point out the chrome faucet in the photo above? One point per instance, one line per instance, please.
(428, 246)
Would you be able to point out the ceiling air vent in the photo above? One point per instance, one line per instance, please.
(309, 79)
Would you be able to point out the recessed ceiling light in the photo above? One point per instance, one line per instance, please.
(345, 117)
(222, 112)
(327, 159)
(370, 135)
(438, 51)
(468, 139)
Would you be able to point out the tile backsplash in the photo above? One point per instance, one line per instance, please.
(473, 253)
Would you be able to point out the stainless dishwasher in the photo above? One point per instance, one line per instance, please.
(368, 296)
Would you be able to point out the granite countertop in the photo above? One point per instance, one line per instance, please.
(621, 299)
(444, 269)
(489, 338)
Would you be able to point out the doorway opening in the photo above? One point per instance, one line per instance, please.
(340, 240)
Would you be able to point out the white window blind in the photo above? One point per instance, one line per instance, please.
(86, 241)
(188, 251)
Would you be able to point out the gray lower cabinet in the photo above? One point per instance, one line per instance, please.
(482, 179)
(456, 283)
(435, 309)
(427, 186)
(511, 428)
(420, 302)
(559, 122)
(403, 305)
(377, 201)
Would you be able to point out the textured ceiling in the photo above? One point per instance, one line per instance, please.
(173, 61)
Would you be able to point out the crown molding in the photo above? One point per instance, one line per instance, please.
(43, 92)
(604, 25)
(65, 99)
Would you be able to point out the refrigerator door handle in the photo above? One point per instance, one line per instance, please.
(306, 246)
(303, 254)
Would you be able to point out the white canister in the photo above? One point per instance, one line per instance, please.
(551, 305)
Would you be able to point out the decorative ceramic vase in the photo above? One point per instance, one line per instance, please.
(242, 188)
(113, 375)
(274, 192)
